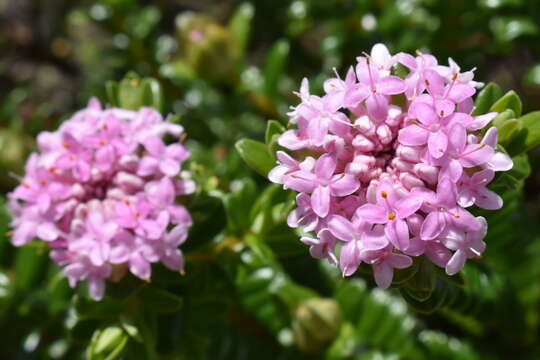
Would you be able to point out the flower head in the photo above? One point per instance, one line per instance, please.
(386, 167)
(101, 192)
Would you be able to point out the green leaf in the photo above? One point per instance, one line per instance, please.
(532, 76)
(30, 264)
(178, 70)
(238, 204)
(507, 130)
(152, 94)
(506, 115)
(421, 285)
(240, 25)
(433, 302)
(511, 101)
(486, 98)
(111, 88)
(159, 300)
(209, 219)
(256, 155)
(531, 124)
(275, 67)
(272, 128)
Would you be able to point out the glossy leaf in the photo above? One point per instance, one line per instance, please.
(531, 124)
(240, 25)
(275, 66)
(486, 98)
(511, 101)
(256, 155)
(273, 128)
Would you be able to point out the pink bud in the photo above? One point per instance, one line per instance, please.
(362, 143)
(410, 181)
(408, 153)
(427, 173)
(384, 134)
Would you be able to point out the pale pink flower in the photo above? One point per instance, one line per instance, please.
(102, 192)
(382, 180)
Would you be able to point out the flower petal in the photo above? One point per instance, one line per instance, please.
(341, 228)
(371, 213)
(320, 200)
(433, 225)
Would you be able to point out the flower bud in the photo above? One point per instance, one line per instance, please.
(427, 173)
(384, 134)
(409, 153)
(402, 165)
(409, 180)
(207, 47)
(316, 324)
(362, 143)
(365, 125)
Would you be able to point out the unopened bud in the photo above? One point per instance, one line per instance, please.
(316, 324)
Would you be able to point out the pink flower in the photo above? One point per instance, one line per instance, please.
(384, 180)
(392, 211)
(384, 262)
(465, 244)
(322, 183)
(102, 191)
(472, 190)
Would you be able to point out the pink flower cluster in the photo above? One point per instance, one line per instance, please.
(386, 167)
(101, 192)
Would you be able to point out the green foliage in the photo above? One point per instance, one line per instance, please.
(256, 155)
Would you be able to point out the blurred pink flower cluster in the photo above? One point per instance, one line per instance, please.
(386, 167)
(101, 192)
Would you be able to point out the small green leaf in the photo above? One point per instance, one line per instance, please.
(506, 115)
(511, 101)
(30, 263)
(427, 306)
(531, 123)
(256, 155)
(240, 25)
(209, 219)
(111, 88)
(275, 67)
(507, 130)
(178, 70)
(152, 94)
(421, 285)
(486, 98)
(532, 76)
(273, 128)
(238, 204)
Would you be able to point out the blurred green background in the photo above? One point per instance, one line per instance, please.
(226, 67)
